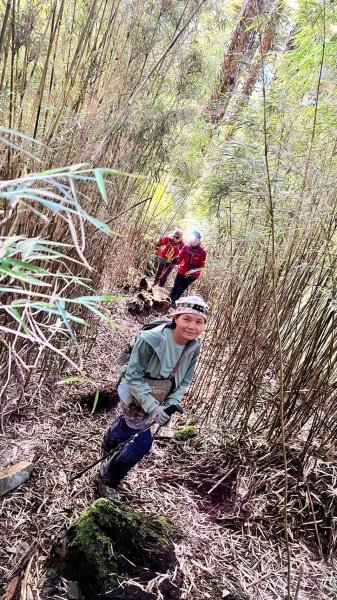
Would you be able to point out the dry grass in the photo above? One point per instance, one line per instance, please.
(216, 549)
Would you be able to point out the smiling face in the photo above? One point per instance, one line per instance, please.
(188, 327)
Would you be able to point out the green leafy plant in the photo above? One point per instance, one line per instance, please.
(42, 281)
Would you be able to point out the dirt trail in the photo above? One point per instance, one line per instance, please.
(59, 434)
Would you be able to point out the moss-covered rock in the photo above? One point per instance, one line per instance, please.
(109, 540)
(186, 432)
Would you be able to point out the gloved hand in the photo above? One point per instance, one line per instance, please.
(159, 415)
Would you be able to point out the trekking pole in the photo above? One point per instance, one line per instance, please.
(170, 410)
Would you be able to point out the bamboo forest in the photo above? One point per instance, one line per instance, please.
(168, 290)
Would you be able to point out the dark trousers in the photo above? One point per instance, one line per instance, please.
(115, 469)
(181, 284)
(162, 274)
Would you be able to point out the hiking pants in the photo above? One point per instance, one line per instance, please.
(162, 274)
(181, 284)
(116, 468)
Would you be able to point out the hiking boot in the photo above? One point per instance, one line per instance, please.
(104, 490)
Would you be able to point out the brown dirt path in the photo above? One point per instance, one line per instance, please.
(61, 436)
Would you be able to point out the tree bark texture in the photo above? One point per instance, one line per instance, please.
(253, 72)
(242, 41)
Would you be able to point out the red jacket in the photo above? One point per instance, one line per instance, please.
(171, 248)
(192, 257)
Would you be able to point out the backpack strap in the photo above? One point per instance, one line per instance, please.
(172, 374)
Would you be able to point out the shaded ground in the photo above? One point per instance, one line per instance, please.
(58, 433)
(110, 545)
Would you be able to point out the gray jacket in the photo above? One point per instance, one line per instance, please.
(145, 361)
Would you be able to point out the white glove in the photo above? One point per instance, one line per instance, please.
(159, 415)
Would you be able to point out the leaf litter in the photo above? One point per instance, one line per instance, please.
(225, 505)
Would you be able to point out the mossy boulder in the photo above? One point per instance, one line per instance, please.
(109, 541)
(186, 432)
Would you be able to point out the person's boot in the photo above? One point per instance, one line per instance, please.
(105, 490)
(111, 474)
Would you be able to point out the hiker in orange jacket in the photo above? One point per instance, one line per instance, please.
(168, 251)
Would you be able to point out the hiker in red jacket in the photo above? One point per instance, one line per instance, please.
(191, 261)
(169, 248)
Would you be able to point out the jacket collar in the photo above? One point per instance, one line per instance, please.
(155, 338)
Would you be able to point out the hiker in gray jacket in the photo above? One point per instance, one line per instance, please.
(160, 368)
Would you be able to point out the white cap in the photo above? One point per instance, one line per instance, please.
(193, 305)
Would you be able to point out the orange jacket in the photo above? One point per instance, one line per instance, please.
(169, 248)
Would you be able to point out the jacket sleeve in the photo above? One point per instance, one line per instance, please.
(177, 394)
(135, 372)
(161, 242)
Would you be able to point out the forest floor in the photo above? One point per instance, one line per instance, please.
(57, 432)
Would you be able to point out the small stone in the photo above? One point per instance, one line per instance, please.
(14, 476)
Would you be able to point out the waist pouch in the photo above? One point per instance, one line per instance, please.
(160, 388)
(134, 415)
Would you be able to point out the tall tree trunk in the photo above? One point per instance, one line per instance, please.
(242, 40)
(253, 72)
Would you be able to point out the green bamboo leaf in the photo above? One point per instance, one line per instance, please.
(52, 172)
(23, 276)
(85, 178)
(95, 402)
(52, 243)
(67, 171)
(24, 265)
(39, 195)
(48, 308)
(66, 317)
(18, 290)
(27, 247)
(73, 318)
(56, 208)
(101, 226)
(22, 135)
(49, 194)
(75, 379)
(16, 315)
(54, 255)
(100, 183)
(97, 312)
(109, 171)
(19, 148)
(98, 299)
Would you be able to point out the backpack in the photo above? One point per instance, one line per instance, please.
(124, 356)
